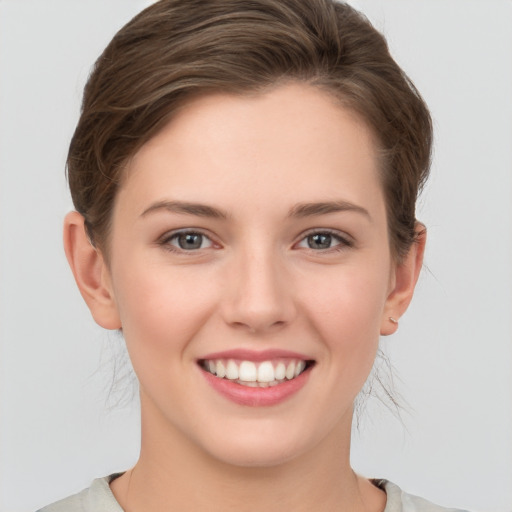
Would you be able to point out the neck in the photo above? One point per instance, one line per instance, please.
(173, 473)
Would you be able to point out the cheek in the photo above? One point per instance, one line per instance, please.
(346, 313)
(160, 309)
(350, 300)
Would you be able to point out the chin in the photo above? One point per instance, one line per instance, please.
(258, 447)
(257, 456)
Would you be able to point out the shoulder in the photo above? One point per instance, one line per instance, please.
(93, 499)
(400, 501)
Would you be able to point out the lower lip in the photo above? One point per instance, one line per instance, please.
(257, 397)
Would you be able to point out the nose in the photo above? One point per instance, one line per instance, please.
(258, 293)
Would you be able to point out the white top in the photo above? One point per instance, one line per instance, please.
(99, 498)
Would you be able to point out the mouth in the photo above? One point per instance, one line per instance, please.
(256, 374)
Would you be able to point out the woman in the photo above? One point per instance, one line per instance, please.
(245, 177)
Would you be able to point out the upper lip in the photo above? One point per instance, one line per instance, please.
(255, 355)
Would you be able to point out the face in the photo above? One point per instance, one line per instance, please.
(250, 268)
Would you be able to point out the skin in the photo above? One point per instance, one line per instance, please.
(254, 283)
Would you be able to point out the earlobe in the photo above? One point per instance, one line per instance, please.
(91, 273)
(405, 279)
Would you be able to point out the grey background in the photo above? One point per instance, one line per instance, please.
(453, 352)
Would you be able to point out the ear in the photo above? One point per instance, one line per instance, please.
(406, 275)
(91, 272)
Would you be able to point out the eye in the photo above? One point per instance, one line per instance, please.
(324, 240)
(319, 241)
(187, 241)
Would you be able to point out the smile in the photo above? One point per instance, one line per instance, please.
(261, 374)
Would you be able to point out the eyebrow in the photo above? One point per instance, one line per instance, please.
(197, 209)
(300, 210)
(323, 208)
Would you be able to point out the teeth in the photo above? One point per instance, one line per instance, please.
(280, 372)
(248, 373)
(220, 370)
(249, 384)
(290, 370)
(232, 370)
(265, 372)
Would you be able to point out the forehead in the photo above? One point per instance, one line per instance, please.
(291, 140)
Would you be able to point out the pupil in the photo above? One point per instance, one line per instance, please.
(319, 241)
(190, 241)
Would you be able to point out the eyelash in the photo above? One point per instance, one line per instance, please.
(343, 242)
(165, 241)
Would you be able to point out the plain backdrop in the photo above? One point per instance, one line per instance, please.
(59, 425)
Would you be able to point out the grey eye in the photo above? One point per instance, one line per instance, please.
(190, 241)
(319, 241)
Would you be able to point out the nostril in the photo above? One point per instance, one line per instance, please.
(257, 296)
(255, 328)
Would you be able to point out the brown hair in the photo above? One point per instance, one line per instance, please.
(176, 49)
